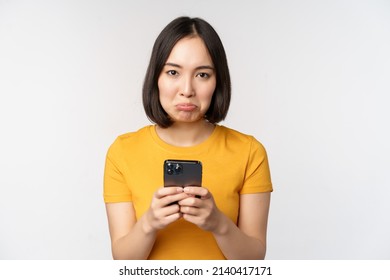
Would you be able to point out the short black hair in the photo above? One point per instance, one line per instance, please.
(177, 29)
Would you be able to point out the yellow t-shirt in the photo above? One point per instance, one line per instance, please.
(233, 164)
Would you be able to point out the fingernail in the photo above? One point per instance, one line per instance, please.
(179, 190)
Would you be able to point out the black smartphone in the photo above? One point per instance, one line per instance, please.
(182, 173)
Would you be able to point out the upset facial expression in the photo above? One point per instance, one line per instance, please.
(187, 82)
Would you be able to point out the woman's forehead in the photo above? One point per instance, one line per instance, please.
(190, 51)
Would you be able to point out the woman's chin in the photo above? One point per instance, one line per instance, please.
(187, 117)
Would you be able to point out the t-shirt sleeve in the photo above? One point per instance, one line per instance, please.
(115, 187)
(257, 175)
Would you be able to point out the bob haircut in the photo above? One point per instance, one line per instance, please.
(178, 29)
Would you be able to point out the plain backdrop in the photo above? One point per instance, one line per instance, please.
(311, 81)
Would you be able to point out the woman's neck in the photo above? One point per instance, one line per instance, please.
(186, 134)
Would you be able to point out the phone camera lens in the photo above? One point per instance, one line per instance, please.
(169, 168)
(178, 168)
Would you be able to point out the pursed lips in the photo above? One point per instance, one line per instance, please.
(186, 107)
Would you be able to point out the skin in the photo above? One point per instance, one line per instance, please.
(186, 86)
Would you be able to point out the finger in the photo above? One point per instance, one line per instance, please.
(166, 220)
(164, 191)
(169, 199)
(188, 210)
(171, 218)
(163, 213)
(190, 201)
(191, 218)
(200, 191)
(170, 210)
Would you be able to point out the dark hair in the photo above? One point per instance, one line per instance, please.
(177, 29)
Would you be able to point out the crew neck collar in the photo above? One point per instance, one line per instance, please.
(196, 149)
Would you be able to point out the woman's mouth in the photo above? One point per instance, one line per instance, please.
(187, 107)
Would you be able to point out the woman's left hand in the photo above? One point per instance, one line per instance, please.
(200, 211)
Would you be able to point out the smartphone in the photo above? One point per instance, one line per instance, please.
(182, 173)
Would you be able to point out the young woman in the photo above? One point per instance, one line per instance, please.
(186, 93)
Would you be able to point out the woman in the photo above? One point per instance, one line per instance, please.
(186, 93)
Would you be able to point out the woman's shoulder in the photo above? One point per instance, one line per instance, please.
(129, 139)
(235, 134)
(239, 138)
(128, 136)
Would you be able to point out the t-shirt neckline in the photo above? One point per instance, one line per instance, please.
(196, 149)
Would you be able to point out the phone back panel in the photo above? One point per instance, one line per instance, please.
(182, 173)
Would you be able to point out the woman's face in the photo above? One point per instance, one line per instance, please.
(187, 82)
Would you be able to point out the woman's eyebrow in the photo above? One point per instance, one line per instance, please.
(197, 68)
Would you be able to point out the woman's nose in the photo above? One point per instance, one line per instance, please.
(187, 88)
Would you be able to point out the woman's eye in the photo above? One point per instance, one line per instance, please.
(172, 72)
(204, 75)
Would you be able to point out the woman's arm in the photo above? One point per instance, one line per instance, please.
(126, 232)
(245, 241)
(248, 240)
(132, 239)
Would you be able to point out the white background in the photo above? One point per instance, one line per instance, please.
(311, 81)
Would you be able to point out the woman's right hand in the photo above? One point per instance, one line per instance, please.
(163, 211)
(134, 239)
